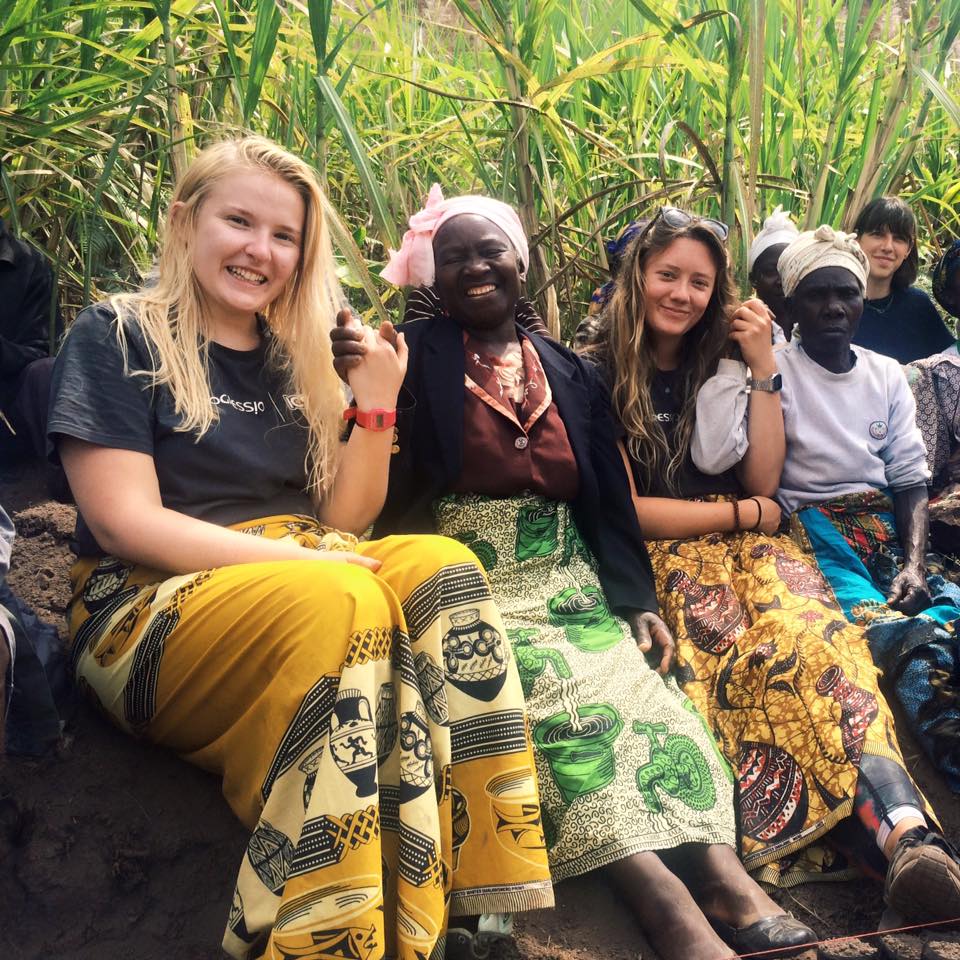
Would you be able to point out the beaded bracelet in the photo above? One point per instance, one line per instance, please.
(736, 515)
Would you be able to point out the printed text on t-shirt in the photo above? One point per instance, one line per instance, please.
(243, 406)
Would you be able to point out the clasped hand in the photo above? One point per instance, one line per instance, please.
(373, 362)
(908, 592)
(649, 630)
(751, 328)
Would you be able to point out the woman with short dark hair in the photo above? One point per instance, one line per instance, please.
(899, 320)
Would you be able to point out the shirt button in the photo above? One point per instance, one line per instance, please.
(521, 443)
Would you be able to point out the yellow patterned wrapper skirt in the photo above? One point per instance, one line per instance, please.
(787, 686)
(369, 730)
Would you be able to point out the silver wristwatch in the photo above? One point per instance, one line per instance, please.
(770, 385)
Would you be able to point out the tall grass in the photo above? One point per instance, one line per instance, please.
(583, 115)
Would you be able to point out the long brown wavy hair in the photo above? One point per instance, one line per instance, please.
(625, 347)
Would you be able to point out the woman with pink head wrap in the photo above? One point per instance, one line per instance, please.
(507, 445)
(413, 264)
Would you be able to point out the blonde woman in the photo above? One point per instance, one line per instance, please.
(223, 606)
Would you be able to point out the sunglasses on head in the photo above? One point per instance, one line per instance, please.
(677, 218)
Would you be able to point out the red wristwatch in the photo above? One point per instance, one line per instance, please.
(377, 419)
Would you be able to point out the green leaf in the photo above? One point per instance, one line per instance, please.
(375, 197)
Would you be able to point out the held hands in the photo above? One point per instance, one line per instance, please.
(347, 341)
(908, 592)
(373, 362)
(649, 631)
(751, 330)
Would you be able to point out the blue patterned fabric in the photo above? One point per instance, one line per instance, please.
(855, 541)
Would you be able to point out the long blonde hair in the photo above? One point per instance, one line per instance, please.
(625, 348)
(177, 332)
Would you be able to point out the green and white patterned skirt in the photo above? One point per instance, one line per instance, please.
(625, 762)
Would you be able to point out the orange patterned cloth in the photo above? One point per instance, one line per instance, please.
(786, 684)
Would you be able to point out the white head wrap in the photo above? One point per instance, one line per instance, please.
(823, 247)
(777, 228)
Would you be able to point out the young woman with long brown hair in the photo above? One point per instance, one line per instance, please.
(788, 687)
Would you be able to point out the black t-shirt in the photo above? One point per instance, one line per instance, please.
(666, 394)
(249, 464)
(26, 285)
(904, 325)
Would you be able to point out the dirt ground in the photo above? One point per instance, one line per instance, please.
(115, 850)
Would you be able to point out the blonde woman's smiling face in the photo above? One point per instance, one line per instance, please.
(678, 283)
(247, 244)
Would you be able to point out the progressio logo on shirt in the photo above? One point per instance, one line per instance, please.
(242, 406)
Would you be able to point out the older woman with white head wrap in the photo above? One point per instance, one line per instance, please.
(852, 440)
(778, 231)
(815, 249)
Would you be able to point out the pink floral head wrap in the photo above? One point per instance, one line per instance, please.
(413, 265)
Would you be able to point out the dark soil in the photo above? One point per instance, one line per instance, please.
(113, 849)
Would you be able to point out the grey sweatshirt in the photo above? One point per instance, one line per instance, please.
(846, 432)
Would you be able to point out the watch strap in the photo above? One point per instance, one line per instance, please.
(377, 419)
(769, 385)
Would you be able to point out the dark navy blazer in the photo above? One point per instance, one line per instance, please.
(430, 455)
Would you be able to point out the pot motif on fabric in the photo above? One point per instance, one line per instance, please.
(773, 793)
(106, 581)
(353, 741)
(858, 709)
(798, 577)
(515, 813)
(432, 687)
(460, 818)
(585, 617)
(475, 656)
(416, 754)
(579, 748)
(712, 613)
(387, 725)
(538, 528)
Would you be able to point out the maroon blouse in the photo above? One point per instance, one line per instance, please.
(513, 439)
